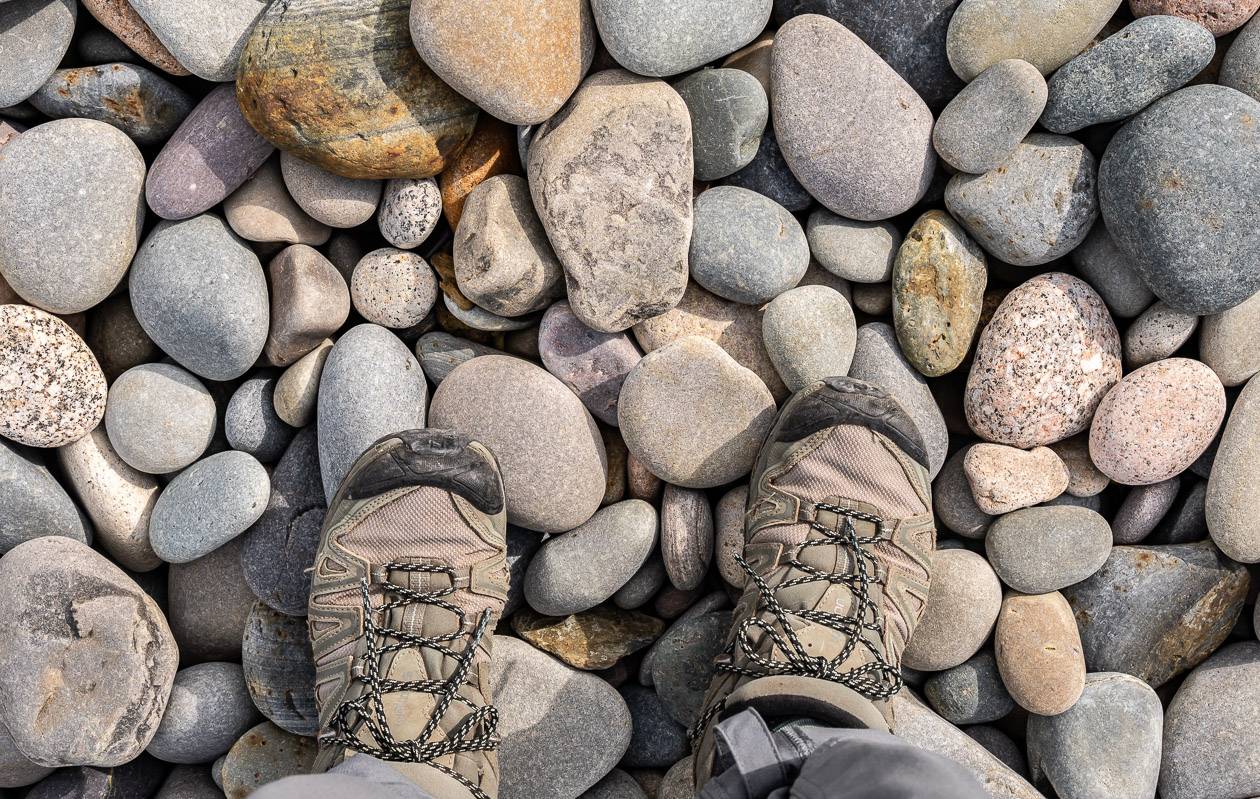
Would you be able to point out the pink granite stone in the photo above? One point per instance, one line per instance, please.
(1218, 16)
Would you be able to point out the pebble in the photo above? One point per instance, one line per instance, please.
(592, 364)
(1228, 345)
(854, 133)
(90, 659)
(310, 301)
(251, 423)
(682, 663)
(1211, 726)
(393, 288)
(644, 585)
(281, 545)
(984, 124)
(118, 498)
(1187, 521)
(954, 502)
(522, 545)
(938, 284)
(136, 100)
(621, 150)
(1042, 364)
(693, 415)
(1194, 149)
(409, 212)
(863, 252)
(1157, 611)
(1001, 746)
(209, 603)
(491, 151)
(961, 609)
(159, 418)
(1232, 493)
(745, 247)
(592, 640)
(262, 210)
(679, 781)
(657, 740)
(1036, 207)
(476, 318)
(877, 359)
(1142, 509)
(1111, 274)
(207, 505)
(394, 118)
(328, 197)
(297, 391)
(52, 391)
(733, 326)
(208, 157)
(83, 179)
(205, 37)
(520, 79)
(970, 693)
(503, 261)
(279, 670)
(1005, 479)
(17, 770)
(264, 754)
(578, 570)
(1047, 35)
(1126, 72)
(208, 710)
(768, 174)
(1107, 744)
(686, 536)
(439, 353)
(617, 785)
(583, 733)
(116, 337)
(550, 452)
(32, 503)
(1157, 334)
(1039, 652)
(1218, 16)
(1240, 68)
(809, 334)
(189, 782)
(199, 292)
(34, 36)
(659, 39)
(139, 778)
(121, 19)
(371, 386)
(1039, 550)
(729, 113)
(1084, 478)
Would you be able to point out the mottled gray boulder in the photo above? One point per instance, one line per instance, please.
(82, 179)
(970, 693)
(136, 100)
(90, 660)
(611, 179)
(1037, 207)
(1107, 744)
(208, 710)
(32, 502)
(1045, 33)
(592, 364)
(810, 334)
(371, 386)
(207, 505)
(279, 669)
(854, 133)
(658, 38)
(658, 741)
(205, 36)
(1211, 729)
(159, 418)
(745, 247)
(1126, 72)
(199, 292)
(1192, 150)
(34, 35)
(1043, 549)
(982, 126)
(729, 112)
(1156, 611)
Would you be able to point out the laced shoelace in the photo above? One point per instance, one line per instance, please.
(875, 680)
(477, 731)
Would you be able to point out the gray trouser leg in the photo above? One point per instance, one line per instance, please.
(359, 777)
(805, 760)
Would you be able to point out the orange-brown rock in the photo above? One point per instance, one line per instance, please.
(491, 151)
(340, 85)
(592, 640)
(123, 21)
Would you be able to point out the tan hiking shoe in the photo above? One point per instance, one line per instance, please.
(409, 580)
(838, 542)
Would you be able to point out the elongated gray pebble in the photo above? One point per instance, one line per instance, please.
(207, 505)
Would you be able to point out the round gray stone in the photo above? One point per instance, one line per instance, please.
(1142, 509)
(1241, 68)
(159, 418)
(199, 292)
(729, 112)
(1110, 272)
(209, 602)
(1157, 333)
(657, 740)
(136, 100)
(280, 670)
(810, 333)
(32, 502)
(962, 607)
(682, 663)
(745, 247)
(336, 201)
(1228, 343)
(982, 126)
(644, 585)
(1043, 549)
(1197, 148)
(251, 423)
(208, 710)
(440, 352)
(207, 505)
(34, 35)
(863, 252)
(660, 38)
(592, 364)
(970, 693)
(393, 288)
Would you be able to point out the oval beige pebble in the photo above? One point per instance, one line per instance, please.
(262, 210)
(1045, 33)
(962, 605)
(694, 416)
(1004, 478)
(1232, 504)
(1084, 478)
(1039, 652)
(728, 521)
(52, 390)
(297, 390)
(1157, 421)
(393, 288)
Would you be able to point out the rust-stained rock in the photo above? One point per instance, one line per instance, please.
(123, 21)
(264, 754)
(491, 151)
(137, 101)
(1039, 653)
(340, 85)
(592, 640)
(1157, 611)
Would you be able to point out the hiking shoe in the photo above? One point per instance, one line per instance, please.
(838, 542)
(409, 581)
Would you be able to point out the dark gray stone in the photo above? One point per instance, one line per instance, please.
(16, 769)
(768, 174)
(189, 782)
(682, 663)
(657, 741)
(982, 126)
(208, 710)
(1000, 745)
(1157, 611)
(745, 247)
(136, 100)
(279, 669)
(34, 35)
(439, 353)
(729, 112)
(972, 693)
(1142, 509)
(1241, 68)
(1197, 148)
(954, 502)
(522, 544)
(1186, 521)
(32, 502)
(640, 588)
(207, 505)
(251, 423)
(863, 252)
(1126, 72)
(661, 39)
(209, 603)
(1101, 263)
(138, 779)
(617, 785)
(1042, 549)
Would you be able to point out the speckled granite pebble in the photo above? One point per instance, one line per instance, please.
(809, 334)
(1043, 549)
(984, 124)
(1043, 363)
(1218, 16)
(1157, 334)
(592, 364)
(409, 211)
(863, 252)
(1046, 34)
(745, 247)
(658, 38)
(279, 670)
(393, 288)
(961, 609)
(729, 113)
(1004, 479)
(1039, 652)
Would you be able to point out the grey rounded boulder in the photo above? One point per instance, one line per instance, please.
(250, 421)
(810, 333)
(1039, 550)
(159, 418)
(207, 505)
(729, 112)
(663, 37)
(746, 247)
(34, 36)
(208, 710)
(982, 126)
(32, 503)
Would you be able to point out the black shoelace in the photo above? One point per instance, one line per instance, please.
(475, 732)
(875, 680)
